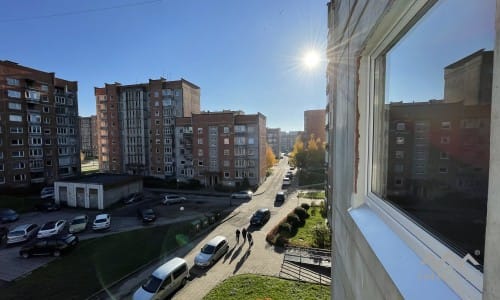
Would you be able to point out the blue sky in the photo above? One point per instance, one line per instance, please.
(452, 30)
(243, 54)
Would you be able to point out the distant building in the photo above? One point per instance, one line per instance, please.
(39, 132)
(221, 148)
(288, 140)
(88, 136)
(274, 140)
(136, 125)
(314, 124)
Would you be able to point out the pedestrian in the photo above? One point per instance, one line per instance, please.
(244, 234)
(237, 236)
(250, 240)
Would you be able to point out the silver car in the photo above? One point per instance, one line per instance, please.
(22, 233)
(212, 251)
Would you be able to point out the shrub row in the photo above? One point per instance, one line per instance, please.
(288, 226)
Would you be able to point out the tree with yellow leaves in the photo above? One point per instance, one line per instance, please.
(270, 157)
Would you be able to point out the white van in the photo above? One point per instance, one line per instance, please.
(164, 281)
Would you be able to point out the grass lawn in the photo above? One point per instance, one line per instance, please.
(312, 195)
(305, 236)
(95, 263)
(258, 287)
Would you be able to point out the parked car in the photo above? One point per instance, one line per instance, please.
(286, 182)
(280, 197)
(3, 234)
(147, 215)
(47, 206)
(172, 199)
(135, 197)
(102, 222)
(260, 217)
(78, 224)
(54, 245)
(212, 251)
(8, 215)
(164, 281)
(51, 228)
(47, 192)
(242, 195)
(22, 233)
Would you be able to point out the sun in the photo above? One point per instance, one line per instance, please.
(311, 59)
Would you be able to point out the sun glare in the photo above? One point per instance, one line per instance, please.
(311, 59)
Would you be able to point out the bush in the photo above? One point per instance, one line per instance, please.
(285, 228)
(301, 212)
(281, 241)
(305, 206)
(322, 209)
(293, 220)
(322, 236)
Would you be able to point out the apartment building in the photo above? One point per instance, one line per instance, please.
(39, 134)
(136, 125)
(88, 136)
(288, 140)
(314, 124)
(412, 185)
(274, 140)
(222, 148)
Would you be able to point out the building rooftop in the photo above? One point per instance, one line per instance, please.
(108, 180)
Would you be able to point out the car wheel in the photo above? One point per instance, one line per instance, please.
(25, 255)
(184, 281)
(57, 253)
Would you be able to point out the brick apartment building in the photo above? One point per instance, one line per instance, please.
(314, 123)
(39, 126)
(136, 125)
(274, 140)
(221, 148)
(288, 140)
(88, 136)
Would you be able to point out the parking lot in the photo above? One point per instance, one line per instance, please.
(123, 218)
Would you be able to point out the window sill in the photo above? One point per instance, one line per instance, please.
(413, 278)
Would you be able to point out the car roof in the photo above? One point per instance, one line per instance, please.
(216, 240)
(80, 217)
(280, 193)
(102, 216)
(167, 267)
(263, 209)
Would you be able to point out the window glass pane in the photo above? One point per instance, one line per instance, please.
(433, 163)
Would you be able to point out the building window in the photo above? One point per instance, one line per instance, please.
(200, 152)
(226, 141)
(16, 130)
(400, 126)
(200, 130)
(18, 154)
(200, 163)
(15, 106)
(251, 141)
(200, 141)
(226, 163)
(19, 177)
(226, 152)
(16, 142)
(15, 118)
(431, 189)
(18, 165)
(226, 129)
(14, 94)
(399, 154)
(12, 81)
(226, 175)
(240, 128)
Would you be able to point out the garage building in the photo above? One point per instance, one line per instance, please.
(96, 191)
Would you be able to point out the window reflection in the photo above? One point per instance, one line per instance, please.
(436, 152)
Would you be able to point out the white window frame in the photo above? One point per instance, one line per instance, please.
(462, 278)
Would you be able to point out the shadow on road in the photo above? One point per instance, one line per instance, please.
(242, 260)
(196, 272)
(228, 254)
(236, 253)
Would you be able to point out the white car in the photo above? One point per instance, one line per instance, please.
(212, 251)
(47, 192)
(51, 228)
(172, 199)
(78, 224)
(242, 195)
(102, 222)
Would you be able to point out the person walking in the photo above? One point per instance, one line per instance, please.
(244, 234)
(237, 236)
(250, 239)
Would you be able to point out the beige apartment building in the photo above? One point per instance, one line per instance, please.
(136, 125)
(221, 148)
(39, 126)
(274, 140)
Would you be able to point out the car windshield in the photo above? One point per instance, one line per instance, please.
(208, 249)
(48, 225)
(148, 212)
(152, 284)
(259, 213)
(16, 233)
(78, 221)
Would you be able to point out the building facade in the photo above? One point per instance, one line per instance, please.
(411, 186)
(221, 148)
(136, 125)
(274, 140)
(288, 140)
(314, 124)
(88, 135)
(39, 126)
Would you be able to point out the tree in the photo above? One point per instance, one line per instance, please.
(298, 155)
(270, 157)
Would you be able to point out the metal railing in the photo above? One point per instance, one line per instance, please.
(307, 264)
